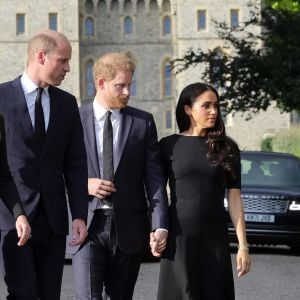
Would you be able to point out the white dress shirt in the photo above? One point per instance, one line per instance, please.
(30, 92)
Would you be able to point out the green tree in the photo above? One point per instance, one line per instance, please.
(250, 76)
(290, 5)
(288, 141)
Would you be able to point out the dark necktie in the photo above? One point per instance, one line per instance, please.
(39, 120)
(108, 165)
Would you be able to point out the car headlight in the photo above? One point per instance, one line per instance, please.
(295, 205)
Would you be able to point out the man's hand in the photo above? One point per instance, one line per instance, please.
(158, 240)
(79, 232)
(23, 229)
(100, 188)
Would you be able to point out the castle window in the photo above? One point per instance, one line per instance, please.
(201, 19)
(128, 25)
(89, 6)
(90, 86)
(166, 25)
(20, 23)
(53, 21)
(153, 5)
(166, 6)
(167, 79)
(133, 88)
(89, 27)
(168, 119)
(114, 5)
(234, 18)
(127, 6)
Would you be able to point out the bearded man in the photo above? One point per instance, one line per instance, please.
(121, 195)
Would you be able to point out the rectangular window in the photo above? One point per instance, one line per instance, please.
(53, 21)
(20, 20)
(234, 18)
(168, 119)
(167, 89)
(201, 19)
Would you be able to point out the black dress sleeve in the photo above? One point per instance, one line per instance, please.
(8, 190)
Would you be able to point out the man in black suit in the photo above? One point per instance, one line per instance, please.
(9, 195)
(118, 212)
(47, 158)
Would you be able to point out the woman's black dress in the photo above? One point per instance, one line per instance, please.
(196, 263)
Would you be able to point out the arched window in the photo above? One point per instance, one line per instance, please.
(133, 88)
(140, 5)
(127, 6)
(114, 5)
(89, 27)
(166, 25)
(153, 5)
(166, 6)
(167, 79)
(102, 6)
(90, 86)
(128, 25)
(89, 6)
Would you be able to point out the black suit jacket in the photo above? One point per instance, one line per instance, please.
(8, 191)
(138, 177)
(61, 164)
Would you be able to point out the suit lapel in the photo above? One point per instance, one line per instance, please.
(125, 128)
(90, 136)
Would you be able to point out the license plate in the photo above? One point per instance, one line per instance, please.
(260, 218)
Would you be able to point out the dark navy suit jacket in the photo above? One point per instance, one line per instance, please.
(8, 190)
(61, 164)
(138, 177)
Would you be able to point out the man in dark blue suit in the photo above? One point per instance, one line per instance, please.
(47, 158)
(108, 263)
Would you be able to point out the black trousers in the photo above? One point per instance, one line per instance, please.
(101, 270)
(34, 271)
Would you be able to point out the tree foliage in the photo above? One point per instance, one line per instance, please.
(288, 141)
(251, 68)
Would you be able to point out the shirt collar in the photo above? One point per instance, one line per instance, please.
(29, 86)
(100, 111)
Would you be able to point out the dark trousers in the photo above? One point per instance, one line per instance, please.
(34, 271)
(100, 269)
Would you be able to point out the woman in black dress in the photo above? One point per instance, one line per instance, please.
(201, 163)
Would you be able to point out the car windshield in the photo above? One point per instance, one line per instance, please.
(270, 170)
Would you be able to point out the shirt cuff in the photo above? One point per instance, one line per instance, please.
(162, 229)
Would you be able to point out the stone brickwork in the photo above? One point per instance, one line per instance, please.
(13, 47)
(147, 44)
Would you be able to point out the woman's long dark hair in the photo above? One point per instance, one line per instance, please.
(222, 150)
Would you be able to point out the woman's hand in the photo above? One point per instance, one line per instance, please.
(243, 261)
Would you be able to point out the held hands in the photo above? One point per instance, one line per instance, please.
(100, 188)
(243, 260)
(79, 232)
(158, 240)
(23, 230)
